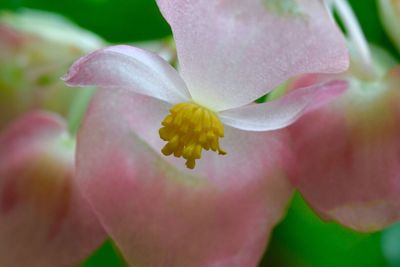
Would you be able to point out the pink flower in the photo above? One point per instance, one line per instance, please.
(352, 170)
(44, 219)
(351, 173)
(159, 212)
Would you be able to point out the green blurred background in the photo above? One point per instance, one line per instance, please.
(301, 239)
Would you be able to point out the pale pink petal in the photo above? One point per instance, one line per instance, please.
(10, 39)
(283, 111)
(44, 220)
(131, 68)
(232, 52)
(221, 214)
(348, 156)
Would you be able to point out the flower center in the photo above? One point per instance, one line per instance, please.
(188, 129)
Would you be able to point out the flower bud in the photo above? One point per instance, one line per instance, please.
(44, 220)
(35, 50)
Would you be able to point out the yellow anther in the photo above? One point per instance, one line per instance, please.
(188, 129)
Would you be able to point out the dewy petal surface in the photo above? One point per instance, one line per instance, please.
(131, 68)
(44, 220)
(232, 52)
(221, 214)
(348, 155)
(283, 111)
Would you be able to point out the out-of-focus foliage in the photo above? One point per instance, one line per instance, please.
(391, 245)
(106, 255)
(304, 240)
(114, 20)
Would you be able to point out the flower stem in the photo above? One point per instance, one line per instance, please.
(356, 37)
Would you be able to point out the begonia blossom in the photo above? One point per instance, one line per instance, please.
(218, 211)
(352, 170)
(44, 219)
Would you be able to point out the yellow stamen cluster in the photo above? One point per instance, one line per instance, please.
(188, 129)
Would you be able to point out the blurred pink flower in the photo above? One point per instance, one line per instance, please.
(230, 53)
(36, 48)
(44, 220)
(351, 172)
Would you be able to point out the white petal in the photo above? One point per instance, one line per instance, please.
(131, 68)
(284, 111)
(232, 52)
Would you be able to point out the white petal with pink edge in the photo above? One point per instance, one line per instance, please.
(233, 52)
(131, 68)
(283, 111)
